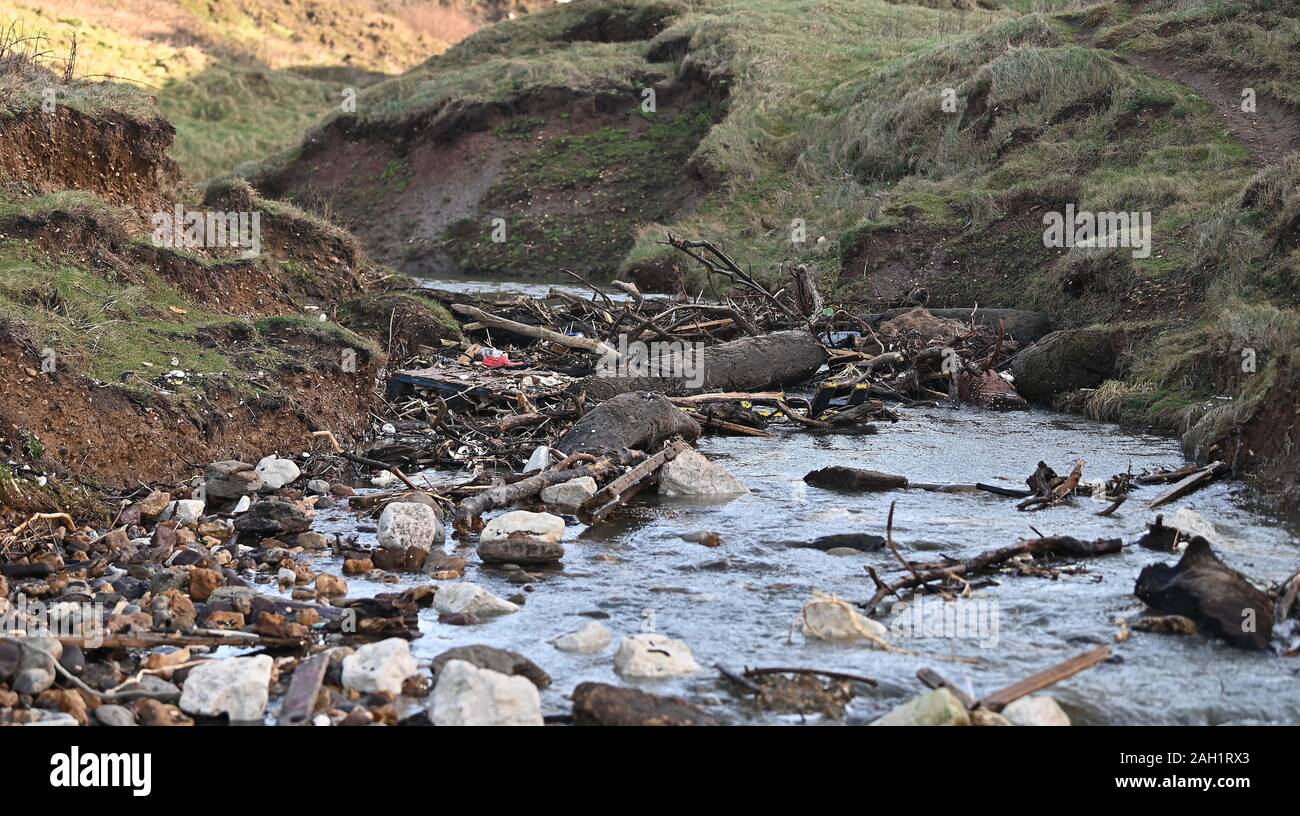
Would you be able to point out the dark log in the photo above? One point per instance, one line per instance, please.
(747, 364)
(1208, 591)
(638, 420)
(854, 479)
(1010, 492)
(603, 704)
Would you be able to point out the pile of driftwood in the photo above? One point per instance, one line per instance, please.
(735, 363)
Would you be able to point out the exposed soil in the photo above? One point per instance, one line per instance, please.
(572, 177)
(101, 433)
(122, 159)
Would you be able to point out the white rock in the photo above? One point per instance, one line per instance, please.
(409, 524)
(185, 511)
(571, 493)
(938, 707)
(234, 686)
(468, 695)
(277, 472)
(829, 618)
(383, 478)
(544, 526)
(380, 666)
(650, 655)
(590, 639)
(690, 473)
(318, 486)
(1036, 710)
(467, 598)
(243, 504)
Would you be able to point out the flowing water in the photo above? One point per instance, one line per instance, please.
(734, 604)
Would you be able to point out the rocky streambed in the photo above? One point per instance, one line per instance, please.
(733, 604)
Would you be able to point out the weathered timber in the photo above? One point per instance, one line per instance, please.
(300, 701)
(1050, 676)
(745, 364)
(637, 420)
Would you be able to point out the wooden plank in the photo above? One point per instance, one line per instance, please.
(1189, 484)
(617, 491)
(300, 701)
(734, 427)
(999, 700)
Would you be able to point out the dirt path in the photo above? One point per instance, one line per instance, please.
(1269, 133)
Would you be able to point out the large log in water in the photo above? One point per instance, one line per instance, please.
(640, 420)
(1208, 591)
(747, 364)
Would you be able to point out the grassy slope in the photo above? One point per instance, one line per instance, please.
(242, 79)
(834, 119)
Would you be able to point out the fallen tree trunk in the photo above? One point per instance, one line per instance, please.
(637, 420)
(747, 364)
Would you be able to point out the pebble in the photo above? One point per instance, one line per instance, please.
(230, 479)
(1036, 710)
(543, 526)
(938, 707)
(409, 524)
(277, 472)
(519, 551)
(691, 473)
(498, 660)
(115, 715)
(571, 493)
(186, 511)
(331, 586)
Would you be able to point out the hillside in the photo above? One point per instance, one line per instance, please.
(241, 79)
(128, 359)
(813, 132)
